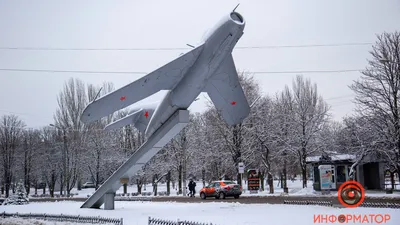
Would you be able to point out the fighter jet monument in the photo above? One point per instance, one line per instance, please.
(209, 67)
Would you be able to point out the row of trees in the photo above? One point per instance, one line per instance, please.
(279, 134)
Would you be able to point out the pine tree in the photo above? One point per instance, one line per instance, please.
(19, 198)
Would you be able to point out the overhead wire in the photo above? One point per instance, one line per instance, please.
(140, 72)
(166, 49)
(183, 48)
(171, 49)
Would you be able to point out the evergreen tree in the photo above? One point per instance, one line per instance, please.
(19, 198)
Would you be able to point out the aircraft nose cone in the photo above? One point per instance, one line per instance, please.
(235, 16)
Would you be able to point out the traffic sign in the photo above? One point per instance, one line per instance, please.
(241, 167)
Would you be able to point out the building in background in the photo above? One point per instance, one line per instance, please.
(370, 172)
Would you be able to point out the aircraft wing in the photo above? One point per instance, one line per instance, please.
(227, 94)
(164, 78)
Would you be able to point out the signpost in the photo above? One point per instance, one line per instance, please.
(241, 168)
(325, 174)
(253, 181)
(241, 171)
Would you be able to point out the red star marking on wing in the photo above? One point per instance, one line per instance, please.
(233, 103)
(146, 114)
(122, 98)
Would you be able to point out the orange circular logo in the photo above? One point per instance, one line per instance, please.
(351, 194)
(341, 218)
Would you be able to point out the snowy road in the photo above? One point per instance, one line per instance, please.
(242, 199)
(270, 199)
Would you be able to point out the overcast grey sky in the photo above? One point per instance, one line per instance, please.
(173, 23)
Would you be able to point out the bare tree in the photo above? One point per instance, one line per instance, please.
(177, 149)
(378, 92)
(51, 153)
(234, 137)
(101, 154)
(286, 126)
(310, 114)
(31, 142)
(71, 102)
(262, 136)
(358, 138)
(11, 128)
(201, 148)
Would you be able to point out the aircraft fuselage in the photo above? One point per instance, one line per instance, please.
(218, 44)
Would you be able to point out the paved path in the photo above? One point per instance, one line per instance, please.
(269, 199)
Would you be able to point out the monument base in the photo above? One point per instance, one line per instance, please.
(151, 147)
(109, 201)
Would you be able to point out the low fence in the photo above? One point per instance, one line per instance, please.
(153, 221)
(380, 205)
(308, 202)
(55, 195)
(329, 203)
(143, 193)
(65, 218)
(140, 199)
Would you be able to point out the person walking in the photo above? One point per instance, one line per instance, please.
(192, 186)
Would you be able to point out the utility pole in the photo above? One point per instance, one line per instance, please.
(64, 160)
(184, 169)
(184, 146)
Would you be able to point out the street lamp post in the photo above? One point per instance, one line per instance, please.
(64, 158)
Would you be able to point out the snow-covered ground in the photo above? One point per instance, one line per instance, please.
(20, 221)
(295, 189)
(137, 213)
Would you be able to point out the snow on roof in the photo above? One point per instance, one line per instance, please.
(223, 181)
(337, 157)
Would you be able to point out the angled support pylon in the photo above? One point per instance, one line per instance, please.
(153, 145)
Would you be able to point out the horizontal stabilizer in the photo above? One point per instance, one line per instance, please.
(139, 117)
(129, 119)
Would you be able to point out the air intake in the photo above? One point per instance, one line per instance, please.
(237, 17)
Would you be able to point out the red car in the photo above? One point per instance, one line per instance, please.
(221, 189)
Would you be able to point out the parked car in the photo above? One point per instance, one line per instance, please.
(221, 189)
(88, 185)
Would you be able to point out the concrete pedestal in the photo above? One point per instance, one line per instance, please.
(153, 145)
(109, 201)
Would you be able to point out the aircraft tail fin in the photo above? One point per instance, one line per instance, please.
(227, 94)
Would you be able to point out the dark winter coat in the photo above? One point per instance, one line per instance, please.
(192, 185)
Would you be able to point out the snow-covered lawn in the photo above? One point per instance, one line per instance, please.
(137, 213)
(295, 189)
(20, 221)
